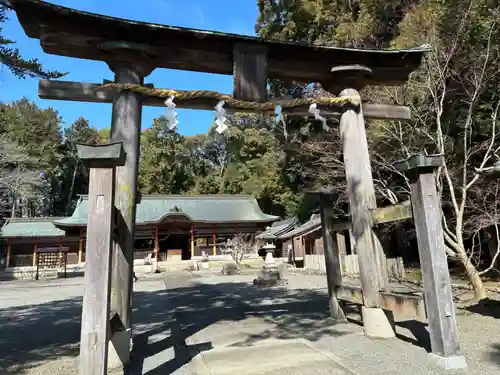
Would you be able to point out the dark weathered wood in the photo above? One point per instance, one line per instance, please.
(73, 33)
(379, 215)
(96, 297)
(342, 243)
(332, 263)
(383, 271)
(392, 213)
(361, 198)
(250, 72)
(173, 54)
(89, 92)
(125, 128)
(433, 262)
(419, 161)
(101, 156)
(354, 76)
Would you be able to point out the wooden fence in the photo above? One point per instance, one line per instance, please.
(350, 267)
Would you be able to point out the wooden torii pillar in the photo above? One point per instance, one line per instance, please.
(126, 128)
(362, 202)
(95, 330)
(332, 260)
(433, 261)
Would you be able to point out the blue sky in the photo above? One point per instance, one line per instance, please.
(233, 16)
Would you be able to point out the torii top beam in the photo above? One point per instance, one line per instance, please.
(69, 32)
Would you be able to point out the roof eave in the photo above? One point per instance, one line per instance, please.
(389, 66)
(305, 230)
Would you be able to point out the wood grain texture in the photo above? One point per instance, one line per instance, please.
(89, 92)
(211, 52)
(125, 128)
(379, 215)
(9, 251)
(96, 298)
(434, 265)
(332, 263)
(250, 72)
(383, 272)
(361, 194)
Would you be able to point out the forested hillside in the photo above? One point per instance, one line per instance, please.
(454, 98)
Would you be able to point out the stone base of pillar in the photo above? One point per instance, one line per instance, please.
(376, 323)
(119, 349)
(457, 362)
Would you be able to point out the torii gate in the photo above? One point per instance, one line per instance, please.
(133, 50)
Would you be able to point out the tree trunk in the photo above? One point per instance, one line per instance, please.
(475, 279)
(13, 212)
(493, 245)
(72, 186)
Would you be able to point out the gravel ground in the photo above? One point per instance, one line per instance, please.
(479, 330)
(40, 325)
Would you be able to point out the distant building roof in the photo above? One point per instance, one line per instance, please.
(30, 227)
(278, 228)
(312, 225)
(151, 210)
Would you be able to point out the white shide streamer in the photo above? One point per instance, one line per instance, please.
(313, 109)
(281, 119)
(220, 119)
(171, 113)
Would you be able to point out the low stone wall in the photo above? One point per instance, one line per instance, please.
(78, 270)
(29, 272)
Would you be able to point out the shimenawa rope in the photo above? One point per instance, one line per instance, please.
(230, 101)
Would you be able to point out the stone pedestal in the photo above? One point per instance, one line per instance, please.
(229, 268)
(376, 323)
(270, 274)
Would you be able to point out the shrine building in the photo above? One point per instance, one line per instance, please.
(178, 225)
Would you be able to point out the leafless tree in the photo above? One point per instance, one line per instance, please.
(238, 246)
(460, 183)
(19, 177)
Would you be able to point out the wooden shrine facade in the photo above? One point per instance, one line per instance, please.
(173, 226)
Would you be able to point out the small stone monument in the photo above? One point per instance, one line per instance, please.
(229, 268)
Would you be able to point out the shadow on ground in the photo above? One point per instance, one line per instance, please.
(486, 307)
(284, 314)
(33, 334)
(494, 355)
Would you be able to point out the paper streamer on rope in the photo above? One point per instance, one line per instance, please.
(281, 119)
(220, 119)
(171, 113)
(313, 109)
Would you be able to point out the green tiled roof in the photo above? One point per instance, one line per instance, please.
(152, 209)
(201, 208)
(30, 227)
